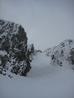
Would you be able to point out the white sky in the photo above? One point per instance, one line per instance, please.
(47, 22)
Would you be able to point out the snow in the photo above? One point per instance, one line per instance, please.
(43, 81)
(7, 28)
(3, 53)
(61, 53)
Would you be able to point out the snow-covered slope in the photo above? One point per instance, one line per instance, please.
(43, 81)
(62, 54)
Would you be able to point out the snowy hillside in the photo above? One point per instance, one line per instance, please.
(43, 81)
(62, 53)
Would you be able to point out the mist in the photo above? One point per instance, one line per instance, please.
(47, 22)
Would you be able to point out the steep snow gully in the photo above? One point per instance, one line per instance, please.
(40, 66)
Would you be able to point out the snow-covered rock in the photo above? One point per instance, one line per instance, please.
(62, 54)
(13, 48)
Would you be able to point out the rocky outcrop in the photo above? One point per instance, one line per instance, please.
(62, 54)
(13, 48)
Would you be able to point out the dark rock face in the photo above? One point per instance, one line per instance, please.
(71, 57)
(13, 48)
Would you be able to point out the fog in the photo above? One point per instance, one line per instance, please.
(47, 22)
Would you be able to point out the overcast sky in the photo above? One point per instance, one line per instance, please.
(47, 22)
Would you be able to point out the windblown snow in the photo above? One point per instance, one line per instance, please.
(43, 81)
